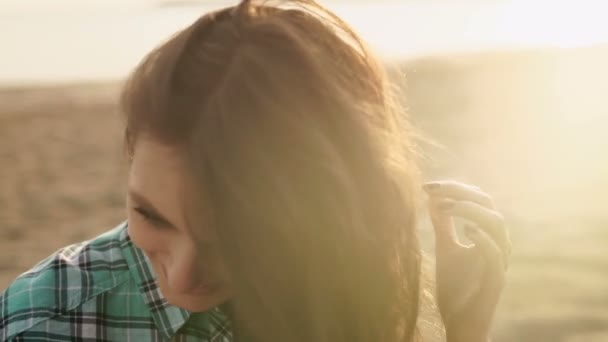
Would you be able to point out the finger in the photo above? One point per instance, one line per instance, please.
(486, 219)
(488, 248)
(445, 231)
(459, 191)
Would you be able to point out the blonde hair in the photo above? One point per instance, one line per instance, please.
(306, 159)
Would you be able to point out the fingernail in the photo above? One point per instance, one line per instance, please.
(446, 204)
(431, 186)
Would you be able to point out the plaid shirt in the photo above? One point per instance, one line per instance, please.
(100, 290)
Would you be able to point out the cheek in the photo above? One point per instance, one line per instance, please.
(146, 238)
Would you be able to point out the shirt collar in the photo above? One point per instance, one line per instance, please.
(167, 318)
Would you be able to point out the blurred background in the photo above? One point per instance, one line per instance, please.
(513, 93)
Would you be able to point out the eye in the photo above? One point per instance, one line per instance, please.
(151, 217)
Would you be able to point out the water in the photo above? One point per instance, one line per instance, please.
(68, 40)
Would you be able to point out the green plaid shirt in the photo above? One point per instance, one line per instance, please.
(100, 290)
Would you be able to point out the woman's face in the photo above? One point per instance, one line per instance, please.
(183, 248)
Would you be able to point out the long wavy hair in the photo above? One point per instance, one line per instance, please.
(306, 160)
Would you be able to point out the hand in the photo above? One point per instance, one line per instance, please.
(470, 278)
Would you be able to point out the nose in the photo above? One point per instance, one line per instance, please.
(185, 273)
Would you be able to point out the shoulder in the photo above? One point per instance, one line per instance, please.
(71, 276)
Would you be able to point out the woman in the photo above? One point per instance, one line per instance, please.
(273, 196)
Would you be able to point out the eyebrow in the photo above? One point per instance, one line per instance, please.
(144, 202)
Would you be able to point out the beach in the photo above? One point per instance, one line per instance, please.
(527, 126)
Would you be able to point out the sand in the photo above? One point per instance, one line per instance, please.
(527, 126)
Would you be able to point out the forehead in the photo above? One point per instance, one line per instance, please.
(154, 162)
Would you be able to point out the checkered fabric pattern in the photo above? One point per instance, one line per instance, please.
(100, 290)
